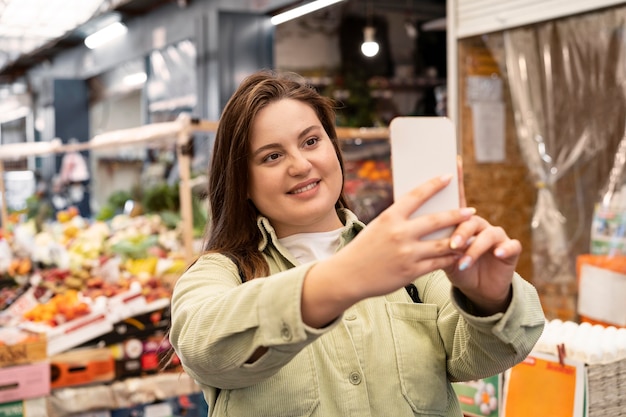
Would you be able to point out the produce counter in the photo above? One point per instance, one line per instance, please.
(171, 394)
(85, 306)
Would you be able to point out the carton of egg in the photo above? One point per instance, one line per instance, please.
(584, 342)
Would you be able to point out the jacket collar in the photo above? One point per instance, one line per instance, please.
(352, 226)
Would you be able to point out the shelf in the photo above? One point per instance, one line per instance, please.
(364, 133)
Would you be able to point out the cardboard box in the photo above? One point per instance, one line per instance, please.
(81, 366)
(100, 413)
(136, 357)
(136, 410)
(32, 349)
(139, 326)
(24, 408)
(192, 405)
(23, 382)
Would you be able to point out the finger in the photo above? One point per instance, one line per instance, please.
(406, 205)
(429, 223)
(424, 266)
(467, 231)
(459, 169)
(492, 238)
(510, 249)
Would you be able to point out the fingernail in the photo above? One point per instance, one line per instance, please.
(456, 241)
(464, 263)
(446, 177)
(499, 253)
(467, 211)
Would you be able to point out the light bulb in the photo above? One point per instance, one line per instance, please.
(114, 30)
(369, 47)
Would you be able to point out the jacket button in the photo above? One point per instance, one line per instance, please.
(285, 333)
(355, 378)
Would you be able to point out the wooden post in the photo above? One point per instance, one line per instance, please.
(5, 213)
(184, 192)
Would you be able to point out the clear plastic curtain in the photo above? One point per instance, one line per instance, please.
(567, 80)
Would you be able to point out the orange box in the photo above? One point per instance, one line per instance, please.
(81, 366)
(601, 289)
(23, 382)
(542, 386)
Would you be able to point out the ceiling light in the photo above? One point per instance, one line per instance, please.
(435, 25)
(106, 34)
(136, 79)
(369, 47)
(302, 10)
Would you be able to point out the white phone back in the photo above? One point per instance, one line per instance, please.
(422, 148)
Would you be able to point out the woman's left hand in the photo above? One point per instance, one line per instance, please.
(488, 258)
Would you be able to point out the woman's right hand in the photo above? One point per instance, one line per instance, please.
(387, 255)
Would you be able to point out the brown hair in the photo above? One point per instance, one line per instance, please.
(233, 228)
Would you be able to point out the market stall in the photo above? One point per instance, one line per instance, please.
(178, 131)
(86, 302)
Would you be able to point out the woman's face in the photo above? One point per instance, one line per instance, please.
(295, 176)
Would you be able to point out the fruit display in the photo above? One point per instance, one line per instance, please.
(74, 273)
(368, 184)
(61, 308)
(19, 267)
(9, 292)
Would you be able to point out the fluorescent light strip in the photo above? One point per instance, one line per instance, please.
(132, 80)
(104, 35)
(302, 10)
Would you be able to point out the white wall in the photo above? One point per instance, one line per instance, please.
(476, 17)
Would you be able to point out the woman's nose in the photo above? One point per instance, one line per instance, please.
(299, 165)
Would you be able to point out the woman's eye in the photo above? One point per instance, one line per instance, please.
(271, 157)
(311, 141)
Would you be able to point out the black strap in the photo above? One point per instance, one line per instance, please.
(413, 293)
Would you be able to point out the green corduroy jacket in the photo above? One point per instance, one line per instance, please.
(385, 356)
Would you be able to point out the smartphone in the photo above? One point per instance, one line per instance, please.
(424, 147)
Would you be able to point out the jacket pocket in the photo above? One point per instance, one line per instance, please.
(291, 392)
(420, 356)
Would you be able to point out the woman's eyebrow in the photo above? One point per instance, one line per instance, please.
(307, 131)
(265, 148)
(301, 135)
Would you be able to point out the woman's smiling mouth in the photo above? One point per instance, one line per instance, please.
(305, 188)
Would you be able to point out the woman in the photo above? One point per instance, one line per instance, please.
(298, 309)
